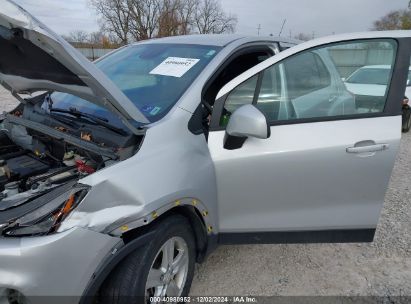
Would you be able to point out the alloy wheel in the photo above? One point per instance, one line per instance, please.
(168, 272)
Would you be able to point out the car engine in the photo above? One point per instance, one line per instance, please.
(25, 174)
(33, 162)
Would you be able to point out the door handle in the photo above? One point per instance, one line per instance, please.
(370, 148)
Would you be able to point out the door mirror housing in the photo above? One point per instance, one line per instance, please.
(246, 121)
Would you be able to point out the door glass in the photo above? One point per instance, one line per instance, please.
(341, 79)
(269, 97)
(242, 95)
(306, 73)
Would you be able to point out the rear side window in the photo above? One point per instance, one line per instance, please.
(306, 73)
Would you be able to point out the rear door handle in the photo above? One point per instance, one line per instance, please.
(371, 148)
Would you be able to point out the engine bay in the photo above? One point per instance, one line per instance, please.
(39, 153)
(25, 175)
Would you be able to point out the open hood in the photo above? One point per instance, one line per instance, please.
(34, 58)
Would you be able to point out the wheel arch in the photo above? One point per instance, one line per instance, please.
(193, 215)
(138, 237)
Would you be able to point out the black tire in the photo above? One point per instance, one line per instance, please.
(127, 283)
(406, 119)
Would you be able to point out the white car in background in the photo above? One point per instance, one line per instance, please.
(369, 84)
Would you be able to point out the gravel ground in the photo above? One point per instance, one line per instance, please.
(381, 268)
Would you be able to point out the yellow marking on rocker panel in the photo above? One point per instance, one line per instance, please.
(124, 228)
(177, 203)
(154, 214)
(194, 202)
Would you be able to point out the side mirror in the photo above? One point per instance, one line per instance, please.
(246, 121)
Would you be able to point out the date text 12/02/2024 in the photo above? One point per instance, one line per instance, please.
(204, 299)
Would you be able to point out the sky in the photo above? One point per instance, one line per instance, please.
(314, 17)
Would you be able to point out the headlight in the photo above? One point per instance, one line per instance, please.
(48, 217)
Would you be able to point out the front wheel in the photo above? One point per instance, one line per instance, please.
(162, 268)
(406, 119)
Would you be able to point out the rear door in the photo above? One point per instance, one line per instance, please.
(323, 173)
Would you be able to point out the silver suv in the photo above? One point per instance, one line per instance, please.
(118, 176)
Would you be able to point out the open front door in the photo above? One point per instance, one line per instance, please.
(322, 173)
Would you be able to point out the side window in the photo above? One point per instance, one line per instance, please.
(242, 95)
(306, 73)
(342, 79)
(270, 93)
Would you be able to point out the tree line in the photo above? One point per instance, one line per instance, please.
(395, 20)
(125, 21)
(98, 39)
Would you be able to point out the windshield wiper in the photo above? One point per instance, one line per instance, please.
(65, 120)
(94, 118)
(75, 112)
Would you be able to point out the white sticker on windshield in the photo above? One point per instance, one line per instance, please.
(174, 66)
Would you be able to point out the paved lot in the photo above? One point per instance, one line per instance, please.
(381, 268)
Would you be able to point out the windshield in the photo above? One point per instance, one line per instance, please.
(152, 76)
(371, 76)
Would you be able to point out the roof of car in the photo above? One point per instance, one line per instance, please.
(217, 39)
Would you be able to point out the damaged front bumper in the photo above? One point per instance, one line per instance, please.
(58, 265)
